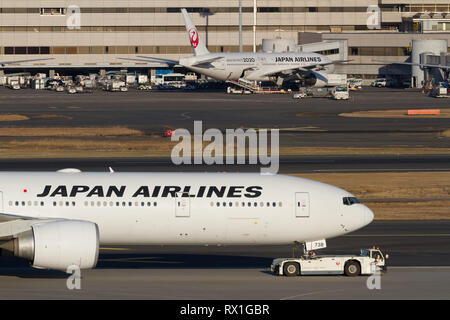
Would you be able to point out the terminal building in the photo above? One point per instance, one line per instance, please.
(94, 34)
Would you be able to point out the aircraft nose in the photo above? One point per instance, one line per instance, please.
(368, 215)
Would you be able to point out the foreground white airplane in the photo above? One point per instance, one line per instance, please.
(58, 219)
(251, 66)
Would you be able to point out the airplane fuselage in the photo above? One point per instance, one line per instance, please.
(251, 66)
(186, 208)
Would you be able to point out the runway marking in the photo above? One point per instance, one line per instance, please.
(420, 267)
(140, 260)
(379, 170)
(186, 116)
(399, 235)
(310, 294)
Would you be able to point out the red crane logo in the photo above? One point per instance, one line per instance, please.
(193, 36)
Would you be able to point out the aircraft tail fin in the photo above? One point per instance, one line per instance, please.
(197, 44)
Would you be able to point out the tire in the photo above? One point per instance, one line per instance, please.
(291, 269)
(352, 269)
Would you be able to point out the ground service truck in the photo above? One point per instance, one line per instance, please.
(368, 262)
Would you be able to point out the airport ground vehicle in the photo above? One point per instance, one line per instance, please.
(115, 85)
(382, 82)
(144, 87)
(175, 80)
(299, 95)
(14, 85)
(367, 262)
(71, 90)
(234, 90)
(341, 93)
(314, 92)
(440, 90)
(355, 84)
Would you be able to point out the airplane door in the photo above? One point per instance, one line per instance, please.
(182, 207)
(302, 204)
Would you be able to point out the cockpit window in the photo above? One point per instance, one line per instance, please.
(348, 201)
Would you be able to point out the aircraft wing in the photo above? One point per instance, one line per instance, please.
(205, 61)
(142, 60)
(4, 217)
(286, 70)
(168, 63)
(4, 63)
(415, 64)
(11, 224)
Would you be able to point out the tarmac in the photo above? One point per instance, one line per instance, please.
(419, 264)
(288, 165)
(308, 123)
(418, 268)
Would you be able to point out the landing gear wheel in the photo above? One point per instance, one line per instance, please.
(352, 269)
(291, 269)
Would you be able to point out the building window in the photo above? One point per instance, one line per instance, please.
(53, 11)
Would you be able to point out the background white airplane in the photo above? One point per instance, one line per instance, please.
(260, 66)
(58, 219)
(5, 63)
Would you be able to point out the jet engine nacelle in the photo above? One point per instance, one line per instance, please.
(316, 79)
(59, 244)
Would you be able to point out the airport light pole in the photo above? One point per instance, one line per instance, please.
(255, 9)
(240, 25)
